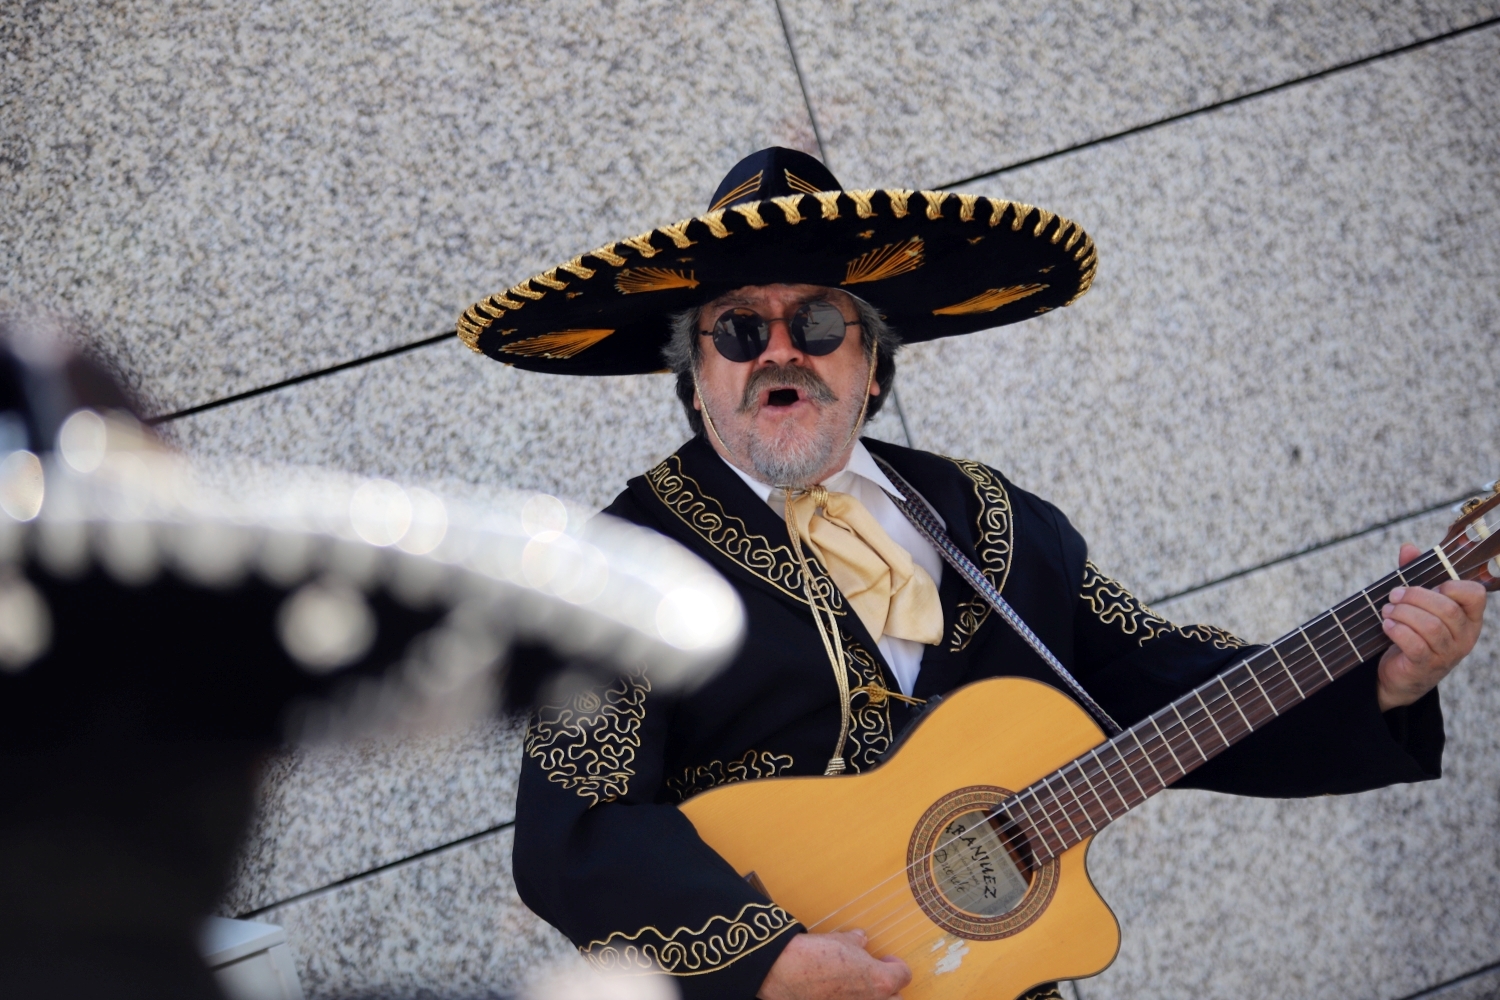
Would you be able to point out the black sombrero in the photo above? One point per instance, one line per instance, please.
(936, 264)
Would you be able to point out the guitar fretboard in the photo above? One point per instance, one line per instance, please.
(1081, 798)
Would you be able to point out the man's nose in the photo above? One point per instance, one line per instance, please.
(781, 349)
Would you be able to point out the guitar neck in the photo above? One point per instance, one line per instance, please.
(1081, 798)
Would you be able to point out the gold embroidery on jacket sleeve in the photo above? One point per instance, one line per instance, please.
(588, 742)
(752, 765)
(994, 529)
(1114, 605)
(718, 944)
(731, 538)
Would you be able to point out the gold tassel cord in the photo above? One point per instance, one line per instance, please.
(738, 191)
(885, 262)
(634, 280)
(557, 346)
(989, 301)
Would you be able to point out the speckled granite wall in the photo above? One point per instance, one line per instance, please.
(1294, 336)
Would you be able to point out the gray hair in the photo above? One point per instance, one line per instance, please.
(681, 355)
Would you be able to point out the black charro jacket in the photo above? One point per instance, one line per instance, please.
(601, 850)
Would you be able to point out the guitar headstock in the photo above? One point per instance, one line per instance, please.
(1472, 544)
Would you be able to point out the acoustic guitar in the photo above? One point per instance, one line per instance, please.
(964, 852)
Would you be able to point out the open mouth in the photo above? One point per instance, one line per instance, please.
(782, 397)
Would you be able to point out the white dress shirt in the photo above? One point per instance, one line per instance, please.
(864, 480)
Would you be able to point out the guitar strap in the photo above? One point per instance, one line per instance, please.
(915, 508)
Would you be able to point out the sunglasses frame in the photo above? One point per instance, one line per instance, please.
(799, 338)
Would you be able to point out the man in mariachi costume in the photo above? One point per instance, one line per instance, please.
(780, 311)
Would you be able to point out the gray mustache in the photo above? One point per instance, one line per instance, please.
(786, 377)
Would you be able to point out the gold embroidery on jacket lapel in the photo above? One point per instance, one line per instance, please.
(754, 764)
(719, 943)
(1114, 605)
(588, 742)
(994, 541)
(870, 733)
(728, 535)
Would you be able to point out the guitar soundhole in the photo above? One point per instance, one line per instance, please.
(972, 872)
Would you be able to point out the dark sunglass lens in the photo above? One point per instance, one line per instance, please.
(741, 335)
(820, 327)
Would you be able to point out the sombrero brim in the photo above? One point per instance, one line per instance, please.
(936, 265)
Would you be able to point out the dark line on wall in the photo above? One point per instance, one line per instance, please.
(360, 877)
(1433, 990)
(298, 379)
(1227, 102)
(1318, 547)
(791, 47)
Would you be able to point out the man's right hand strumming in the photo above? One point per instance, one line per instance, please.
(833, 967)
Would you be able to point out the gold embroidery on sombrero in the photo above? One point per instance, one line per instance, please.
(1114, 605)
(677, 233)
(885, 262)
(738, 191)
(715, 222)
(525, 290)
(719, 943)
(1019, 211)
(575, 267)
(634, 280)
(751, 214)
(607, 254)
(798, 184)
(829, 201)
(642, 244)
(498, 300)
(1043, 218)
(993, 541)
(588, 742)
(728, 535)
(548, 279)
(470, 326)
(790, 207)
(898, 198)
(862, 206)
(752, 765)
(997, 209)
(935, 201)
(560, 345)
(966, 203)
(991, 300)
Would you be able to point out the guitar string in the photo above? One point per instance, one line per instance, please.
(1303, 663)
(906, 912)
(909, 911)
(1131, 759)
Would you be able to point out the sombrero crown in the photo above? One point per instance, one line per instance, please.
(934, 263)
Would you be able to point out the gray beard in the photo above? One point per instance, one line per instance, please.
(790, 466)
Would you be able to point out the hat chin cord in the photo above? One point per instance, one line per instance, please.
(816, 601)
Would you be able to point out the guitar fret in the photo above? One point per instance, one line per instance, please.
(1401, 576)
(1189, 729)
(1057, 833)
(1102, 804)
(1067, 813)
(1146, 754)
(1209, 712)
(1334, 613)
(1129, 770)
(1248, 727)
(1288, 671)
(1373, 609)
(1125, 803)
(1314, 649)
(1251, 671)
(1028, 828)
(1152, 719)
(1062, 838)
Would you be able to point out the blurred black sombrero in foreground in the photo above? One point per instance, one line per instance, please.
(936, 264)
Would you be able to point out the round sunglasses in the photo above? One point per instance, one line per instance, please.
(742, 334)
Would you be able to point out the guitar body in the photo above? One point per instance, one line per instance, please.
(900, 851)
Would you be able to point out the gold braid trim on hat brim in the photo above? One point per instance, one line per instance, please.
(971, 210)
